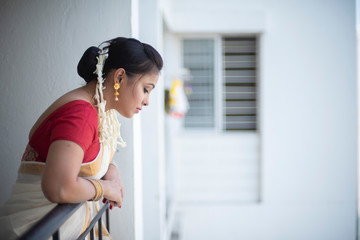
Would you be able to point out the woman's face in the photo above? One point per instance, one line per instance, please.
(134, 93)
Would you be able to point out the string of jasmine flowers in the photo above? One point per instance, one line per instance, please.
(109, 126)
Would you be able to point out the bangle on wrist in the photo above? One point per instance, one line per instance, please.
(112, 163)
(99, 190)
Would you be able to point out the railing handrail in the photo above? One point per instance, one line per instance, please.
(51, 222)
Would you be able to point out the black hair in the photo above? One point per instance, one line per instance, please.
(128, 53)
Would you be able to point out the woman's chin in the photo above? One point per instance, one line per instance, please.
(127, 115)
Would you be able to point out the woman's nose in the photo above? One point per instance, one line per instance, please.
(146, 102)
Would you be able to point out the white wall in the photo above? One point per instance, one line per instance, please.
(41, 44)
(307, 118)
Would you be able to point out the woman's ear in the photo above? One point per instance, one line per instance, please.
(119, 75)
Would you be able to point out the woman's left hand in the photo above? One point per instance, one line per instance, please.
(113, 174)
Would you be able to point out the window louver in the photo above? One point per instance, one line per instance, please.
(239, 68)
(199, 60)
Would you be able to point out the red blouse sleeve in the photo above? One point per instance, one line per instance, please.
(78, 124)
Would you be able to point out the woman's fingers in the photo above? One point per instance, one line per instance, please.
(112, 203)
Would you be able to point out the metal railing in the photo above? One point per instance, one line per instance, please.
(50, 224)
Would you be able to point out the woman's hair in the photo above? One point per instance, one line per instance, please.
(128, 53)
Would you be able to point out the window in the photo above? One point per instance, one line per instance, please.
(235, 101)
(223, 100)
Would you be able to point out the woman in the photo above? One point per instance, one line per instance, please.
(68, 158)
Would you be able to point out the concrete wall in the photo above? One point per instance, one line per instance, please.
(307, 118)
(41, 44)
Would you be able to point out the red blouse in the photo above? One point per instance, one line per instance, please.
(75, 121)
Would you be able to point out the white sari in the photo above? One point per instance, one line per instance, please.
(27, 203)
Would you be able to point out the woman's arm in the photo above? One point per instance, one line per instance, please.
(60, 181)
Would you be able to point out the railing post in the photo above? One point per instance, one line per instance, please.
(107, 220)
(93, 222)
(100, 228)
(56, 235)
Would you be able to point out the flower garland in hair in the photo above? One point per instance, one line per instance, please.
(109, 126)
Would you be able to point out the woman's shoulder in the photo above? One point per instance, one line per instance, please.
(72, 103)
(73, 98)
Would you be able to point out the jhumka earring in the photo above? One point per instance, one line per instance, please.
(116, 87)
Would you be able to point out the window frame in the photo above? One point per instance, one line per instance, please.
(219, 82)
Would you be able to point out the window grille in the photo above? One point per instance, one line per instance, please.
(239, 69)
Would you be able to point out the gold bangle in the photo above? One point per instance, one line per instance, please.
(99, 190)
(111, 163)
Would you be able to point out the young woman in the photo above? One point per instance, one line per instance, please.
(68, 157)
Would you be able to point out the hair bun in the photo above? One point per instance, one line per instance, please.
(87, 64)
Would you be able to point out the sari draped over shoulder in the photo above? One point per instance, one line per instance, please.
(27, 203)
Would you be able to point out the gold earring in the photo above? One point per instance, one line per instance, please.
(116, 87)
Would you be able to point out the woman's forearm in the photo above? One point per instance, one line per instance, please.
(73, 191)
(82, 190)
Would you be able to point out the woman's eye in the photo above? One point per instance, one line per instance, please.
(145, 90)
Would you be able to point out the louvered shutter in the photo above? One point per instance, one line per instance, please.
(199, 60)
(239, 68)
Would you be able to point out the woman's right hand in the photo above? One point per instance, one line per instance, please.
(112, 192)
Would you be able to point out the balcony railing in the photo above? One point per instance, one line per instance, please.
(49, 225)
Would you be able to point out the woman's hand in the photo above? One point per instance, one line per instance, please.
(112, 192)
(113, 175)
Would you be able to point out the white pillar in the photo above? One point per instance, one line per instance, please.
(127, 222)
(150, 31)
